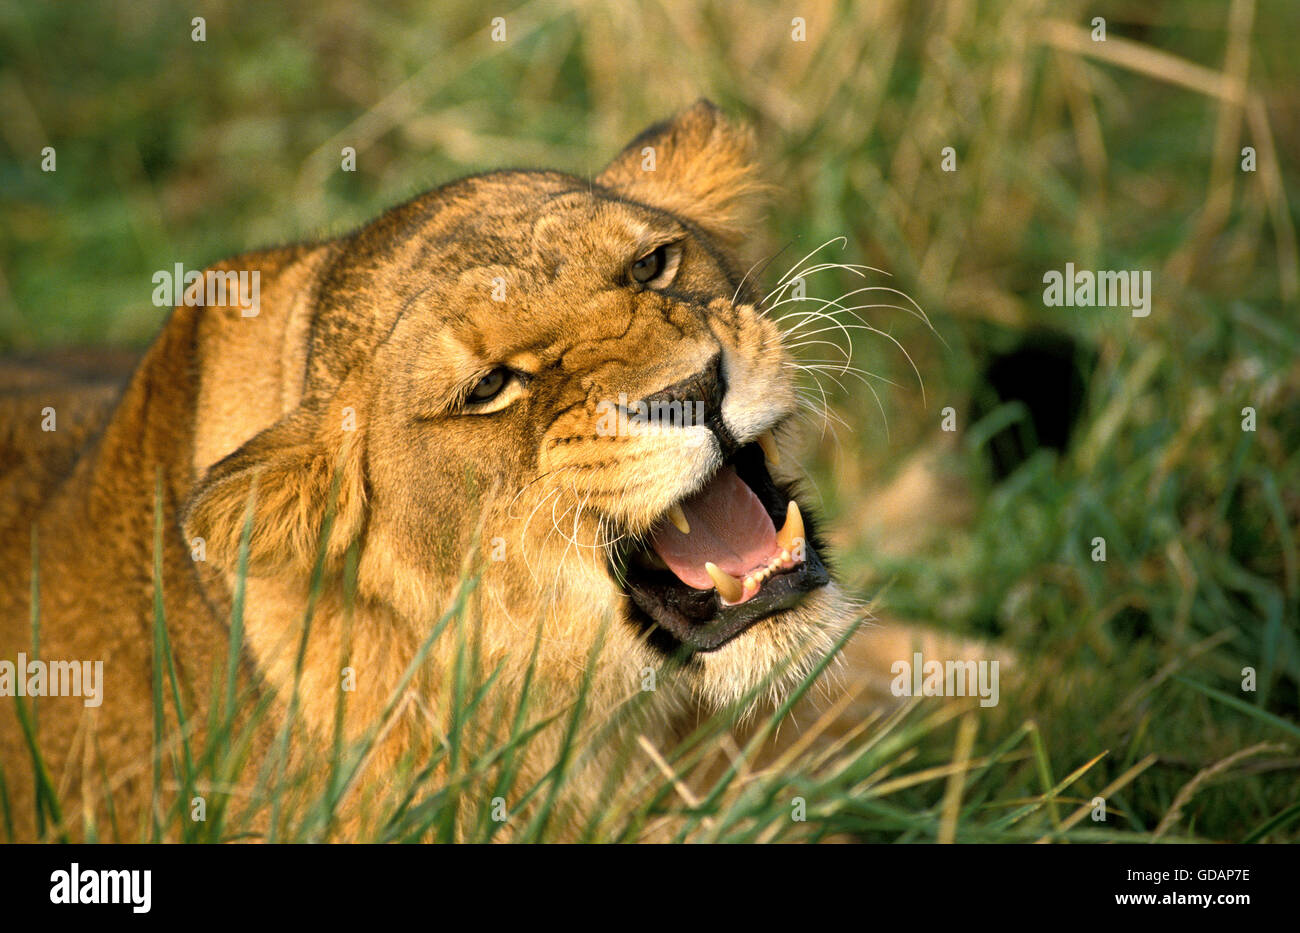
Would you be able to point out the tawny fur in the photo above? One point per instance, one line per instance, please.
(342, 389)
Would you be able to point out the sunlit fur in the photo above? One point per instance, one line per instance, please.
(345, 390)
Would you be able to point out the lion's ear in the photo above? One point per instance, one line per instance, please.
(288, 472)
(695, 165)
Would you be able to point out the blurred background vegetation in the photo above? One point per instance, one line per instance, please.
(1072, 423)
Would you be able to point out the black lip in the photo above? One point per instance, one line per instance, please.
(676, 616)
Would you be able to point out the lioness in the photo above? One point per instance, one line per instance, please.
(448, 405)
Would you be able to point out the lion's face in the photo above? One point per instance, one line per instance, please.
(570, 388)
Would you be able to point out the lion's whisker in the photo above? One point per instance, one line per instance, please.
(523, 534)
(856, 374)
(790, 274)
(834, 366)
(764, 263)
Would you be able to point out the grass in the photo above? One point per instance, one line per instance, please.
(1117, 155)
(856, 789)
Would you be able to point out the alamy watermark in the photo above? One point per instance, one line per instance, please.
(37, 678)
(621, 419)
(76, 885)
(1103, 289)
(922, 678)
(212, 288)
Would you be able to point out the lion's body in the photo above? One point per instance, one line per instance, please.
(336, 410)
(82, 497)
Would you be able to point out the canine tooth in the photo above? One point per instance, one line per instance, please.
(729, 588)
(790, 537)
(767, 441)
(678, 518)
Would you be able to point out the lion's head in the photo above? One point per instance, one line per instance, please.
(568, 386)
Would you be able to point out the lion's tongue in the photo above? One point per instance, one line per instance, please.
(729, 527)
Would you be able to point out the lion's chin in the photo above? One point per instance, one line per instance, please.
(760, 667)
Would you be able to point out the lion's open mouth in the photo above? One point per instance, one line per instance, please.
(735, 552)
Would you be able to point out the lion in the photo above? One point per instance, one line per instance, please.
(552, 407)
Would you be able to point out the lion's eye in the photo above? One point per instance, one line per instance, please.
(648, 267)
(490, 386)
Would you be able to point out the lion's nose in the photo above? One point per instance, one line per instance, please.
(706, 387)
